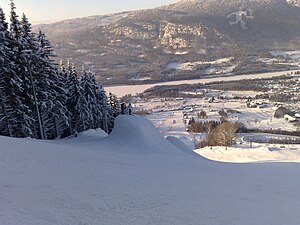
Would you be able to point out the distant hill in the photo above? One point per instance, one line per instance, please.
(142, 46)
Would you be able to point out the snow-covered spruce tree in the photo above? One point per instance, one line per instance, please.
(43, 84)
(114, 110)
(109, 114)
(23, 118)
(90, 87)
(54, 110)
(102, 102)
(36, 86)
(10, 85)
(114, 104)
(5, 69)
(76, 103)
(15, 26)
(101, 114)
(65, 72)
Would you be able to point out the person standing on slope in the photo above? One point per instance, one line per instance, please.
(129, 108)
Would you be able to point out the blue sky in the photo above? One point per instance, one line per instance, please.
(53, 10)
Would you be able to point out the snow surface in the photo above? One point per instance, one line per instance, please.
(179, 144)
(135, 176)
(191, 65)
(93, 133)
(252, 118)
(256, 154)
(294, 55)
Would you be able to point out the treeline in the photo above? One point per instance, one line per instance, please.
(39, 99)
(249, 66)
(172, 91)
(271, 131)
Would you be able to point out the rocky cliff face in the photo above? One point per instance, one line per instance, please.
(138, 46)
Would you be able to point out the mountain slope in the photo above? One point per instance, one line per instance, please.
(259, 23)
(138, 46)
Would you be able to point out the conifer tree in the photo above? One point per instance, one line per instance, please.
(21, 69)
(54, 110)
(114, 104)
(103, 104)
(110, 118)
(35, 85)
(76, 103)
(6, 73)
(13, 118)
(90, 87)
(15, 26)
(5, 128)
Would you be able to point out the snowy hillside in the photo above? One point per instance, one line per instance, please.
(135, 176)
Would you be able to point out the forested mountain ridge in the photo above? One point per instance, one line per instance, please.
(139, 46)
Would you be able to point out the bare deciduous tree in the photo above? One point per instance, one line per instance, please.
(223, 135)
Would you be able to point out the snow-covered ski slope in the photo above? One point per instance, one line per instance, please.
(136, 177)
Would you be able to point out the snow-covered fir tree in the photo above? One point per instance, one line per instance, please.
(6, 69)
(104, 107)
(102, 115)
(35, 84)
(15, 26)
(25, 118)
(89, 87)
(114, 104)
(114, 111)
(11, 113)
(53, 109)
(76, 103)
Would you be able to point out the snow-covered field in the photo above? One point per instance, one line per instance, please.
(168, 118)
(137, 89)
(165, 112)
(242, 154)
(191, 65)
(294, 55)
(135, 176)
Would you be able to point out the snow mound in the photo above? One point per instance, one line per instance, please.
(179, 144)
(85, 181)
(93, 133)
(137, 134)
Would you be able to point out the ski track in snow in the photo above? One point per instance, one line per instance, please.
(135, 177)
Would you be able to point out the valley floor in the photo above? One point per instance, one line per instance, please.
(168, 119)
(122, 90)
(135, 176)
